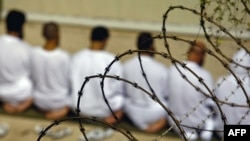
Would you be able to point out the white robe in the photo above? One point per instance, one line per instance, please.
(90, 62)
(50, 73)
(230, 92)
(140, 107)
(185, 99)
(15, 82)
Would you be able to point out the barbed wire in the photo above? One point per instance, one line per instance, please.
(215, 52)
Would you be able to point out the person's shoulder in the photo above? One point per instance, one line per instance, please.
(131, 62)
(108, 54)
(79, 53)
(173, 66)
(62, 51)
(206, 75)
(36, 48)
(24, 44)
(109, 57)
(226, 78)
(225, 81)
(160, 65)
(7, 38)
(206, 71)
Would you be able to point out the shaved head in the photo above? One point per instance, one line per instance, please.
(196, 52)
(197, 44)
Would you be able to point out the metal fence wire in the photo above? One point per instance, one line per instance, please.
(235, 87)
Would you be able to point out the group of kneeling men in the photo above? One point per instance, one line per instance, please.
(153, 97)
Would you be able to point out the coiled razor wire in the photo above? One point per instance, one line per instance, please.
(215, 52)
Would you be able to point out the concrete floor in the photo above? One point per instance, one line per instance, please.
(22, 129)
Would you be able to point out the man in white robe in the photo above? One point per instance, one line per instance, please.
(228, 90)
(15, 82)
(145, 113)
(188, 104)
(93, 61)
(50, 74)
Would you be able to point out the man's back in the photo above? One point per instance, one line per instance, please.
(188, 96)
(92, 62)
(50, 72)
(14, 59)
(147, 114)
(15, 65)
(15, 82)
(229, 90)
(156, 73)
(188, 85)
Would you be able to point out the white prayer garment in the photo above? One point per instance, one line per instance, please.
(139, 106)
(50, 73)
(92, 62)
(187, 104)
(15, 82)
(229, 91)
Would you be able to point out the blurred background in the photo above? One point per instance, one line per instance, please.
(125, 18)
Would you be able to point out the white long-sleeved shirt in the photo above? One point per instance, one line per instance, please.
(184, 99)
(50, 74)
(157, 75)
(139, 106)
(230, 91)
(15, 83)
(90, 62)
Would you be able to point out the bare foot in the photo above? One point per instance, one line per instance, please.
(24, 105)
(57, 114)
(9, 108)
(156, 126)
(111, 119)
